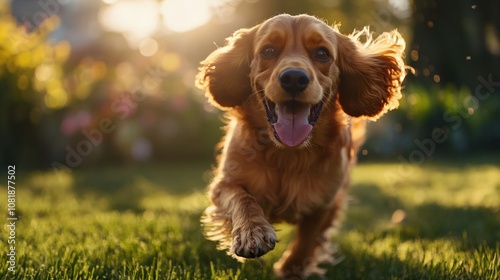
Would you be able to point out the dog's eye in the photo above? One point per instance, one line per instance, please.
(322, 55)
(268, 52)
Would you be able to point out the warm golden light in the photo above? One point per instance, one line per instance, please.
(44, 72)
(148, 47)
(170, 62)
(56, 97)
(184, 15)
(136, 19)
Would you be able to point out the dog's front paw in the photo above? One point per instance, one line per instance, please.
(253, 240)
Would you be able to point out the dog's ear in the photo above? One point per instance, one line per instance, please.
(371, 73)
(224, 74)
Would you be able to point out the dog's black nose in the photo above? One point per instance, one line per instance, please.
(294, 80)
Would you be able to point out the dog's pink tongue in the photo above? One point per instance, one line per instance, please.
(293, 125)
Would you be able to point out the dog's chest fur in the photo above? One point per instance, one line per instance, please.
(287, 184)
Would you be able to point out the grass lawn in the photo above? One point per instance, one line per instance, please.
(436, 221)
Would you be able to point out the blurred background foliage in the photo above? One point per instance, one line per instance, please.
(112, 81)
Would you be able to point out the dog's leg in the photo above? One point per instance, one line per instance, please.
(312, 245)
(237, 221)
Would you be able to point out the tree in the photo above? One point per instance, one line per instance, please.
(455, 41)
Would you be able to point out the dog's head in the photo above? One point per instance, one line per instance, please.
(300, 68)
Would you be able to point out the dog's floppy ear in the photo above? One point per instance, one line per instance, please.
(371, 73)
(224, 74)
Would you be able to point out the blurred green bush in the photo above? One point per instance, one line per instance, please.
(466, 117)
(31, 73)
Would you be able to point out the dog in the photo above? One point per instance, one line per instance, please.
(298, 94)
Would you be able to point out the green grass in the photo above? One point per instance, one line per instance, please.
(143, 223)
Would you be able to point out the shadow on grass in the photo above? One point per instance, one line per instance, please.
(124, 188)
(474, 225)
(370, 209)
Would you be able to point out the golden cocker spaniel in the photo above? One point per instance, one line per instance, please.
(297, 93)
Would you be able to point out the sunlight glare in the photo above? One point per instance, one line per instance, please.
(136, 19)
(401, 8)
(184, 15)
(109, 1)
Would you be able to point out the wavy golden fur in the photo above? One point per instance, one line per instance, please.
(297, 94)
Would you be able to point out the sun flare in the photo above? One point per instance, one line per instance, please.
(135, 19)
(184, 15)
(140, 19)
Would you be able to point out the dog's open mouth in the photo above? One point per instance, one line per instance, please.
(292, 121)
